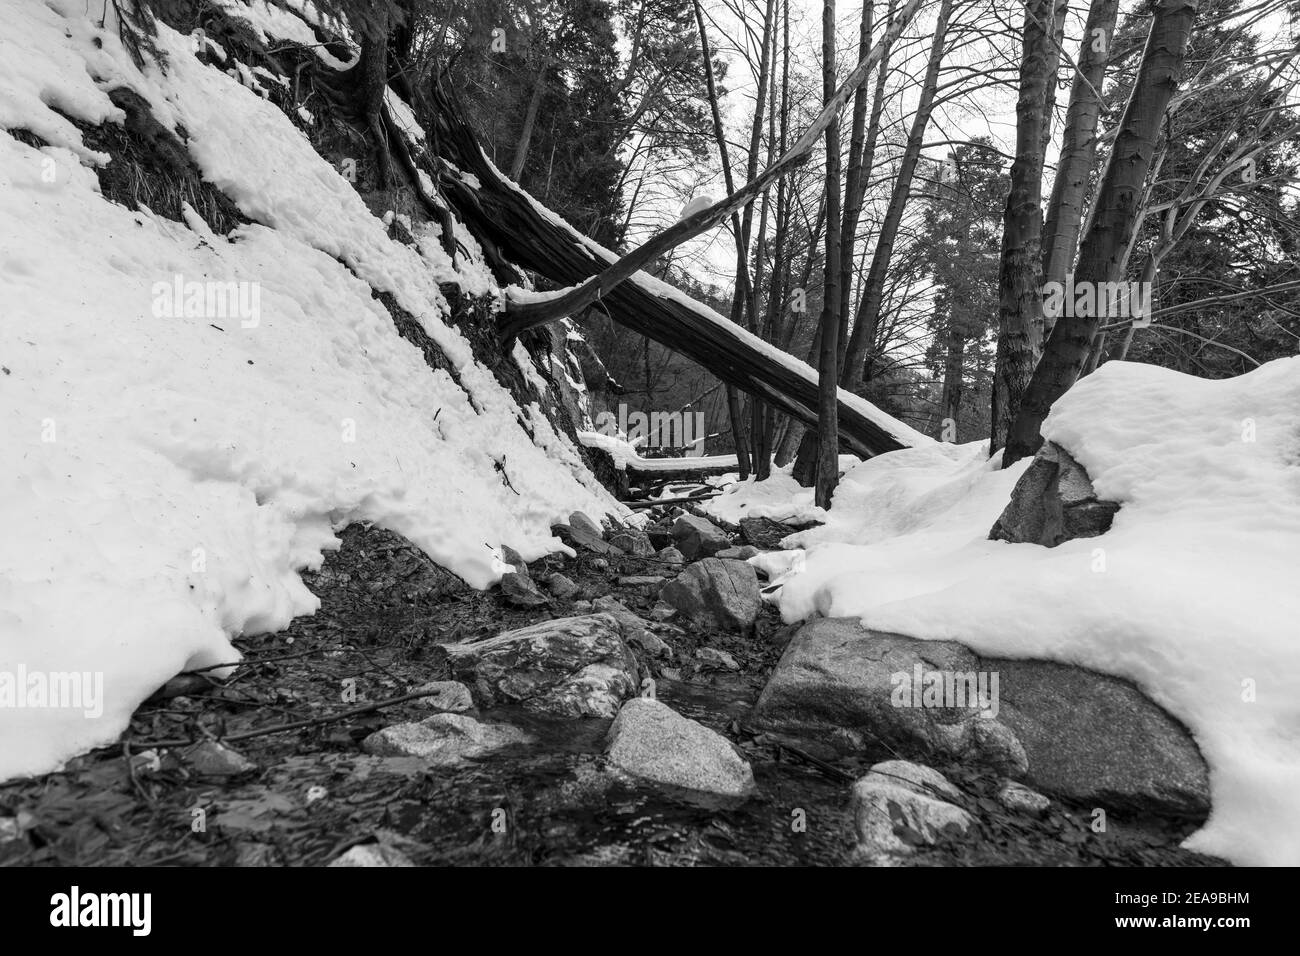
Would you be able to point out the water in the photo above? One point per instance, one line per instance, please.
(552, 802)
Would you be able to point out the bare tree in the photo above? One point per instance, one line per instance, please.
(1113, 220)
(1020, 307)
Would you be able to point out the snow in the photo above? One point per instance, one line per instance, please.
(779, 498)
(625, 455)
(268, 20)
(170, 472)
(1191, 594)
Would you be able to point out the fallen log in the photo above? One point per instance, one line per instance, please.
(533, 237)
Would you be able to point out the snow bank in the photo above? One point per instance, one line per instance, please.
(170, 469)
(1191, 594)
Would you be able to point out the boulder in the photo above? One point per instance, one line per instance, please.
(651, 741)
(579, 521)
(561, 586)
(899, 806)
(1018, 798)
(710, 658)
(450, 695)
(697, 537)
(635, 630)
(568, 667)
(716, 591)
(742, 553)
(582, 538)
(1054, 501)
(211, 759)
(518, 589)
(514, 559)
(633, 542)
(672, 557)
(1068, 731)
(442, 740)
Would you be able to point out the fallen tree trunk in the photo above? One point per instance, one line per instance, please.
(532, 237)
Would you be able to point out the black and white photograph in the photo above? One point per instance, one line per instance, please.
(633, 434)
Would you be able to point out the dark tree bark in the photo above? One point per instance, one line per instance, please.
(1020, 304)
(828, 445)
(1078, 145)
(741, 290)
(1115, 216)
(519, 229)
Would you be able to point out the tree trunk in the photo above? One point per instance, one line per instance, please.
(953, 367)
(855, 179)
(1114, 219)
(1078, 146)
(865, 324)
(1020, 304)
(828, 444)
(741, 290)
(514, 226)
(530, 118)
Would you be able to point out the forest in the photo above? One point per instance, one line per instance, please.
(649, 433)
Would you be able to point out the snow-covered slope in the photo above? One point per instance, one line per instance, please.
(165, 473)
(1192, 593)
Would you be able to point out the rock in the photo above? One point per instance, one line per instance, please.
(372, 854)
(662, 611)
(652, 644)
(256, 854)
(710, 658)
(519, 590)
(561, 586)
(641, 580)
(1054, 501)
(633, 542)
(696, 537)
(899, 806)
(578, 521)
(742, 553)
(569, 667)
(442, 740)
(211, 759)
(671, 557)
(1065, 730)
(451, 696)
(1018, 798)
(635, 630)
(651, 741)
(582, 538)
(721, 592)
(513, 558)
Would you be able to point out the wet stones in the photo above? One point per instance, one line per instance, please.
(569, 667)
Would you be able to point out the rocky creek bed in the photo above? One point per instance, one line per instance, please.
(601, 709)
